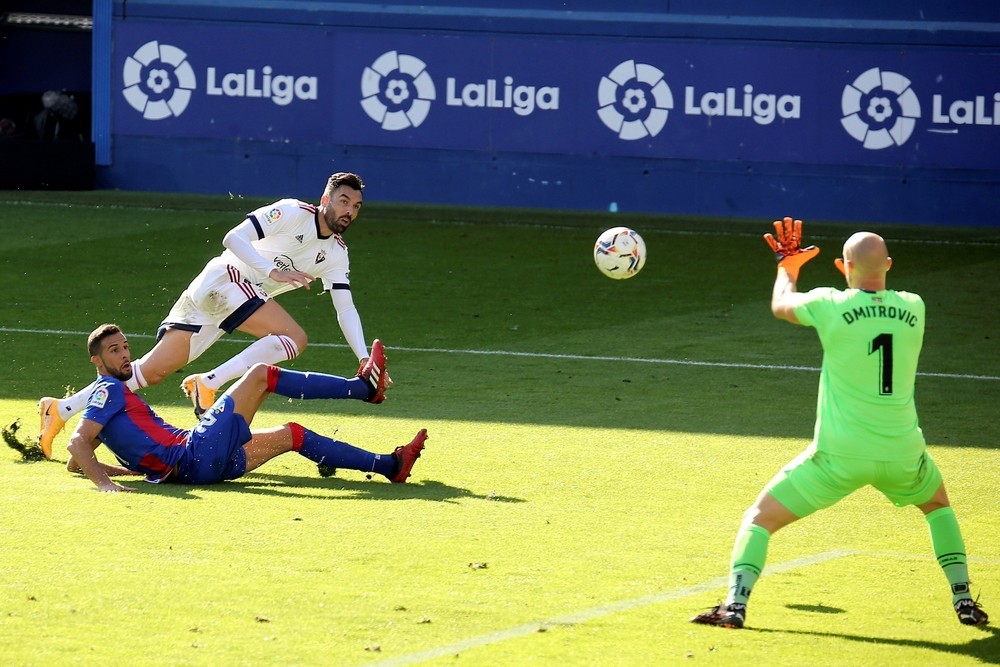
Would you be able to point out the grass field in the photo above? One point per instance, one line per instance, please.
(592, 446)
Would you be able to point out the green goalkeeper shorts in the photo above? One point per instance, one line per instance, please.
(814, 480)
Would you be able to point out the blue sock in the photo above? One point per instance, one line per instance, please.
(336, 454)
(296, 384)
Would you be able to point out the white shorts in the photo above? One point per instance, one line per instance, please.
(217, 301)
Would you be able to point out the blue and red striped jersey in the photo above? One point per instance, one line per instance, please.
(136, 435)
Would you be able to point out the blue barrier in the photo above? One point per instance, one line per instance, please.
(714, 116)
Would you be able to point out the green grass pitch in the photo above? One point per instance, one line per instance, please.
(593, 444)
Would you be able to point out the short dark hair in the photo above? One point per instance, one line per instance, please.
(98, 335)
(344, 178)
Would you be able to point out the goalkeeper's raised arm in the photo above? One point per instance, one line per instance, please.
(786, 242)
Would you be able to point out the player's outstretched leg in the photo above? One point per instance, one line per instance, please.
(53, 414)
(369, 384)
(50, 424)
(331, 454)
(732, 615)
(309, 385)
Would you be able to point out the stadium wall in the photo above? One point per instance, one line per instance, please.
(833, 111)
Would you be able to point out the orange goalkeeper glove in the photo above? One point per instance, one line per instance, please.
(787, 247)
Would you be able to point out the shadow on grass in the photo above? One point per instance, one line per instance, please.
(331, 488)
(985, 648)
(817, 608)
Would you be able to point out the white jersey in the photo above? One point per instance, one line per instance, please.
(288, 238)
(285, 236)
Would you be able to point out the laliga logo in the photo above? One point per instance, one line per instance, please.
(634, 100)
(397, 91)
(880, 109)
(158, 81)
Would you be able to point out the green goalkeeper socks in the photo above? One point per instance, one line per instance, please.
(749, 554)
(949, 547)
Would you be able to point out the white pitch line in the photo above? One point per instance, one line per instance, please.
(597, 612)
(540, 355)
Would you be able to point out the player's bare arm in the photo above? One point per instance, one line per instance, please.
(786, 242)
(111, 470)
(81, 448)
(785, 297)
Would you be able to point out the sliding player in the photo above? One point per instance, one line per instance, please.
(277, 248)
(221, 446)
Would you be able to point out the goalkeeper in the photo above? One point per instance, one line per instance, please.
(866, 432)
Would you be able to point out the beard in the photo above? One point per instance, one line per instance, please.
(118, 373)
(339, 224)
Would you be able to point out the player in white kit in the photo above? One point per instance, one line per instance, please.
(277, 248)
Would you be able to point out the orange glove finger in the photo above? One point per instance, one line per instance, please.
(771, 242)
(839, 263)
(786, 230)
(779, 231)
(796, 233)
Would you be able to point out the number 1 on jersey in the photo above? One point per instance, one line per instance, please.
(882, 344)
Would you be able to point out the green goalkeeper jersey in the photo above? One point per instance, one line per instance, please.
(871, 345)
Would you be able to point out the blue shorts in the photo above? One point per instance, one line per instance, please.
(215, 449)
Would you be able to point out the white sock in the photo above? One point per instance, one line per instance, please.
(137, 381)
(271, 349)
(75, 404)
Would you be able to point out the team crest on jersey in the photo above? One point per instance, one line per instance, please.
(321, 256)
(98, 398)
(272, 216)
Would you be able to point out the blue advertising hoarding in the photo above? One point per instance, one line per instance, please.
(797, 103)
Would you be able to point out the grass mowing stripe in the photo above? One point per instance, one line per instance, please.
(542, 355)
(628, 605)
(428, 217)
(597, 612)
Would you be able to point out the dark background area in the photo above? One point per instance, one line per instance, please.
(45, 98)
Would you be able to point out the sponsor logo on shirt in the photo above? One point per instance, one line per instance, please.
(284, 263)
(98, 398)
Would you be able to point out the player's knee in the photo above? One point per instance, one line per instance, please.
(933, 505)
(769, 514)
(301, 340)
(258, 373)
(750, 515)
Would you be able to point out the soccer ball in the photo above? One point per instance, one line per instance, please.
(620, 253)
